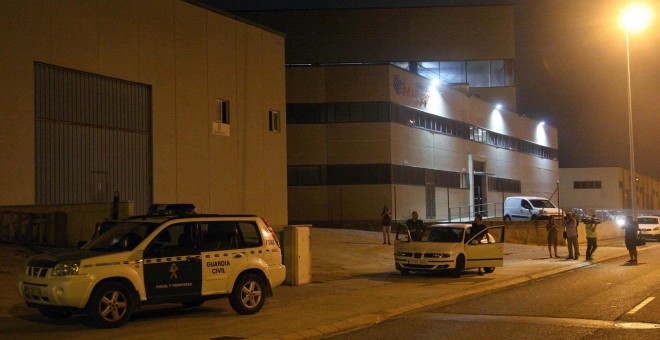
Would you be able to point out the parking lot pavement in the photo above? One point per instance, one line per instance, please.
(354, 284)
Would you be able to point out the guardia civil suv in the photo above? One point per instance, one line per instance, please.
(158, 258)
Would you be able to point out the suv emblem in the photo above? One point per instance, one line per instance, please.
(173, 269)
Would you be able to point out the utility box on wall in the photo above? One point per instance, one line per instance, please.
(297, 254)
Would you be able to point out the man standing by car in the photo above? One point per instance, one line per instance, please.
(477, 227)
(415, 225)
(590, 224)
(572, 237)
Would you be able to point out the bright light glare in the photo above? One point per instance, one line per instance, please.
(498, 106)
(541, 123)
(436, 82)
(635, 17)
(620, 222)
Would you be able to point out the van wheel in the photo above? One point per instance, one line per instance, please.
(248, 296)
(489, 269)
(111, 305)
(507, 218)
(54, 314)
(460, 266)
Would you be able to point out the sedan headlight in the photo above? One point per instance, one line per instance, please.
(403, 253)
(436, 255)
(656, 228)
(66, 268)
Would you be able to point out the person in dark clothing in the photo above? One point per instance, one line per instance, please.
(477, 227)
(386, 222)
(415, 225)
(631, 229)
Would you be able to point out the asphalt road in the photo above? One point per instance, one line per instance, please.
(609, 300)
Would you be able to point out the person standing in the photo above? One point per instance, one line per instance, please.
(386, 222)
(590, 227)
(477, 227)
(415, 225)
(631, 229)
(570, 226)
(552, 228)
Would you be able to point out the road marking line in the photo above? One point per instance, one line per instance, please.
(641, 305)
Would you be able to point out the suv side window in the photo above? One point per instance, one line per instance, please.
(229, 235)
(175, 240)
(220, 236)
(250, 233)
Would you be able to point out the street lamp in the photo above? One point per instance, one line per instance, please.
(633, 19)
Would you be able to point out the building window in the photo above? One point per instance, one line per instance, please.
(223, 111)
(587, 185)
(274, 121)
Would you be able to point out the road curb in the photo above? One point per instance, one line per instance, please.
(367, 320)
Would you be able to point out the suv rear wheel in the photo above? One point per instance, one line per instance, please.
(248, 295)
(111, 305)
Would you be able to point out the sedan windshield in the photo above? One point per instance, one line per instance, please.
(445, 235)
(647, 220)
(124, 236)
(542, 204)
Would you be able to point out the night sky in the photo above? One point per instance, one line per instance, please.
(570, 71)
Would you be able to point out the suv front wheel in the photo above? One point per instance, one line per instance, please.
(248, 295)
(110, 305)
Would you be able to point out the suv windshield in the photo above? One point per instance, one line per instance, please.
(445, 235)
(542, 204)
(647, 220)
(124, 236)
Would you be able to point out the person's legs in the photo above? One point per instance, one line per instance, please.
(384, 234)
(389, 232)
(549, 249)
(555, 246)
(569, 242)
(574, 251)
(634, 253)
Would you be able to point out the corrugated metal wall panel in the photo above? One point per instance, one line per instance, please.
(93, 137)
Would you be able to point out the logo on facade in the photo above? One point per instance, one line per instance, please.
(419, 93)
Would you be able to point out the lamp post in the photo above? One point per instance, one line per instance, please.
(634, 18)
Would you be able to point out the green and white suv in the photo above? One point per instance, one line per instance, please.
(156, 259)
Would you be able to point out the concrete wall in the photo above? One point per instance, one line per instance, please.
(191, 57)
(80, 219)
(533, 232)
(614, 192)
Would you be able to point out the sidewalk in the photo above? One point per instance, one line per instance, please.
(354, 285)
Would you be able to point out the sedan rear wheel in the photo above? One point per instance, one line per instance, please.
(489, 269)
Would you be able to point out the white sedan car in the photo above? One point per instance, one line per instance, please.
(448, 247)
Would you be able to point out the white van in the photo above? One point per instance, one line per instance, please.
(649, 227)
(525, 208)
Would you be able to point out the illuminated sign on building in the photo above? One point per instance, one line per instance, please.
(419, 93)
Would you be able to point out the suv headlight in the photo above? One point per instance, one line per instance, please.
(66, 268)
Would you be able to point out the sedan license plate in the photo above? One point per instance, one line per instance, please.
(415, 262)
